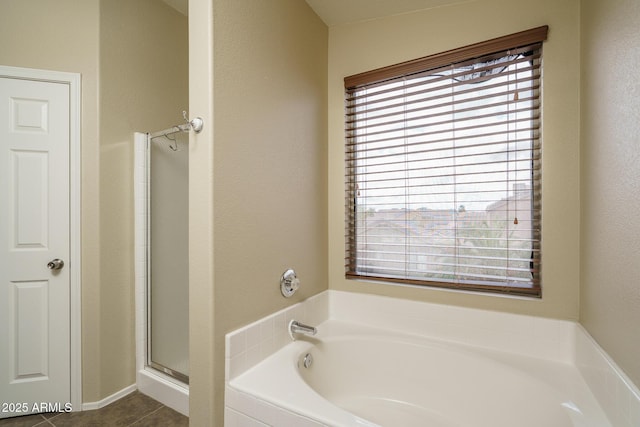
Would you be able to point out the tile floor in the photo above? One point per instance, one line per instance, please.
(136, 410)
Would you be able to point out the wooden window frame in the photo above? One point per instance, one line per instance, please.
(415, 68)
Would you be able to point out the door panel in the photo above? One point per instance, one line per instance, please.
(34, 229)
(29, 185)
(28, 326)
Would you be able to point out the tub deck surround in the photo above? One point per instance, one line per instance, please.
(417, 382)
(249, 345)
(616, 393)
(556, 360)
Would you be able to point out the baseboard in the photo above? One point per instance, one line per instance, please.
(88, 406)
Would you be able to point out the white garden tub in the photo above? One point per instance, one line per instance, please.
(362, 376)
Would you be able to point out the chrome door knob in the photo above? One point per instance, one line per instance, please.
(55, 264)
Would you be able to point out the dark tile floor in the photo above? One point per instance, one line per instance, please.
(136, 410)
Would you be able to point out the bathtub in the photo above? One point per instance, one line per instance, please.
(362, 376)
(382, 361)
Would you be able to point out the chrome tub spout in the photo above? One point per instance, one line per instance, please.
(296, 327)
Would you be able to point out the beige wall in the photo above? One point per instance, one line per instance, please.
(359, 47)
(119, 48)
(610, 184)
(269, 162)
(202, 357)
(64, 36)
(143, 87)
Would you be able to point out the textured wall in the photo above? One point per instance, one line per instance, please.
(201, 262)
(143, 87)
(63, 36)
(270, 77)
(120, 49)
(359, 47)
(610, 294)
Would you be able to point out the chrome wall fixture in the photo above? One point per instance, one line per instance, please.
(195, 125)
(296, 327)
(289, 283)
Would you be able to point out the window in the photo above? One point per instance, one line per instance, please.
(443, 169)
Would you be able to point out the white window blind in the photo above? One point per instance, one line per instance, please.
(443, 169)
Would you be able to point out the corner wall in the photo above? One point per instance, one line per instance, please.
(120, 48)
(363, 46)
(202, 357)
(144, 80)
(269, 161)
(610, 294)
(64, 36)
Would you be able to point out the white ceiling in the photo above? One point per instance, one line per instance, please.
(336, 12)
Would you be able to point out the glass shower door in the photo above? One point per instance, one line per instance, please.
(168, 266)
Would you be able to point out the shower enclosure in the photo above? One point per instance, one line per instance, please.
(162, 276)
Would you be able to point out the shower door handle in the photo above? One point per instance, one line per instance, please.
(55, 264)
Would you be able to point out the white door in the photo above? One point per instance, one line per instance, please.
(34, 231)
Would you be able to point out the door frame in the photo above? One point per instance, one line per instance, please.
(73, 80)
